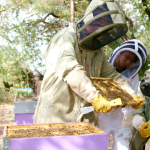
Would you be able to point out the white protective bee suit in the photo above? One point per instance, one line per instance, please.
(72, 55)
(111, 122)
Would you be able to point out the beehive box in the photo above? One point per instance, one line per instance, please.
(60, 136)
(111, 90)
(24, 112)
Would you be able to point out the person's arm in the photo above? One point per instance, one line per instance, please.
(140, 122)
(133, 119)
(139, 117)
(129, 119)
(61, 56)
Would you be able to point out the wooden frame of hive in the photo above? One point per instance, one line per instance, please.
(97, 141)
(111, 90)
(61, 129)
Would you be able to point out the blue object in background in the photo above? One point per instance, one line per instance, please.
(27, 88)
(23, 92)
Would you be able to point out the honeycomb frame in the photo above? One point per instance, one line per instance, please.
(112, 90)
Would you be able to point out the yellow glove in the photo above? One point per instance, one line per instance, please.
(144, 129)
(101, 104)
(141, 100)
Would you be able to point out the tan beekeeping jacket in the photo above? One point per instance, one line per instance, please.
(65, 87)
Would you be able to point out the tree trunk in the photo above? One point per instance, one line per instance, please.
(72, 10)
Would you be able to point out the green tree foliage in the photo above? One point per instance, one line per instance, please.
(15, 72)
(26, 25)
(138, 18)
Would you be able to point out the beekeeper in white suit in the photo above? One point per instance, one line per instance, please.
(74, 54)
(127, 58)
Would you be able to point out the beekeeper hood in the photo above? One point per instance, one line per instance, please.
(136, 47)
(145, 84)
(103, 22)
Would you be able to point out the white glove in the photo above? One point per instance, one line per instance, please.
(125, 133)
(138, 121)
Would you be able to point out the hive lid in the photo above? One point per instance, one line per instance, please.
(21, 107)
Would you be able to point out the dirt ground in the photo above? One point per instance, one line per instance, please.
(7, 118)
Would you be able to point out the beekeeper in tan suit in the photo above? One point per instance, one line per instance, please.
(74, 54)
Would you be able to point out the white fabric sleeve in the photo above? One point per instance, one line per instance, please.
(62, 58)
(138, 121)
(127, 120)
(128, 110)
(82, 85)
(135, 83)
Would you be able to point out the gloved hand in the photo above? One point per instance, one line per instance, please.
(138, 99)
(138, 121)
(101, 104)
(125, 133)
(144, 129)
